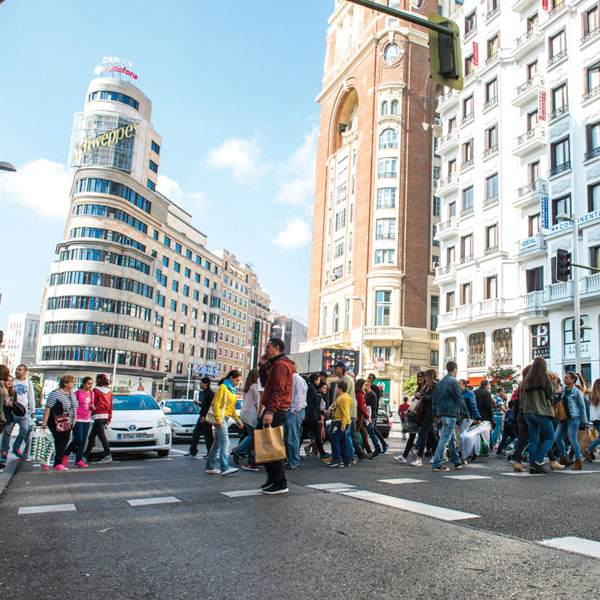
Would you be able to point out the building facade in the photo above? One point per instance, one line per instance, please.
(372, 231)
(20, 341)
(520, 147)
(291, 331)
(133, 283)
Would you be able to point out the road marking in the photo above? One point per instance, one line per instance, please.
(241, 493)
(574, 544)
(179, 452)
(570, 472)
(157, 459)
(437, 512)
(523, 474)
(466, 477)
(147, 501)
(401, 481)
(331, 487)
(30, 510)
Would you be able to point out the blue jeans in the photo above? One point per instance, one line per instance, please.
(291, 436)
(220, 447)
(77, 444)
(349, 444)
(541, 437)
(371, 431)
(570, 427)
(247, 444)
(593, 445)
(446, 439)
(25, 429)
(339, 443)
(496, 432)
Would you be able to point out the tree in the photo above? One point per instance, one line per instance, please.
(409, 387)
(504, 377)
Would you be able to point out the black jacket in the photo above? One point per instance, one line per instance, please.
(205, 401)
(372, 401)
(485, 405)
(313, 403)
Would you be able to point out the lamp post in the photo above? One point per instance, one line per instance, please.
(187, 391)
(251, 355)
(362, 331)
(563, 218)
(6, 166)
(114, 374)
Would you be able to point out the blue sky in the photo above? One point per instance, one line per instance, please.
(233, 99)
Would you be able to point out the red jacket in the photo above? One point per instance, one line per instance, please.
(103, 403)
(360, 403)
(278, 380)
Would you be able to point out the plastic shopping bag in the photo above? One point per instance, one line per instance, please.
(41, 446)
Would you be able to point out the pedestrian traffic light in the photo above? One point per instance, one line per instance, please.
(444, 54)
(563, 265)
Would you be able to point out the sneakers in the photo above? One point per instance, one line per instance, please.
(275, 488)
(399, 458)
(236, 458)
(417, 463)
(292, 467)
(460, 465)
(60, 468)
(353, 461)
(230, 471)
(266, 484)
(65, 460)
(18, 453)
(81, 464)
(307, 450)
(106, 459)
(336, 464)
(440, 468)
(385, 449)
(212, 472)
(327, 460)
(251, 467)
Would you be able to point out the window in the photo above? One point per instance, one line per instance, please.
(384, 352)
(384, 107)
(491, 237)
(502, 346)
(451, 210)
(560, 156)
(491, 92)
(592, 134)
(450, 255)
(470, 23)
(434, 240)
(324, 320)
(170, 345)
(434, 312)
(340, 219)
(340, 195)
(450, 349)
(388, 139)
(491, 188)
(532, 69)
(561, 206)
(395, 107)
(177, 247)
(436, 207)
(153, 166)
(467, 201)
(336, 318)
(338, 249)
(468, 105)
(385, 229)
(467, 152)
(388, 168)
(476, 350)
(451, 124)
(560, 102)
(493, 44)
(186, 290)
(469, 65)
(451, 166)
(449, 301)
(382, 308)
(155, 147)
(337, 273)
(533, 171)
(385, 256)
(532, 21)
(491, 138)
(434, 358)
(465, 293)
(534, 279)
(594, 197)
(533, 224)
(347, 315)
(175, 286)
(176, 267)
(491, 287)
(173, 305)
(151, 185)
(569, 335)
(386, 198)
(557, 47)
(590, 22)
(592, 80)
(466, 248)
(595, 257)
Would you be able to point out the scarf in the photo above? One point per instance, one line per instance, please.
(229, 386)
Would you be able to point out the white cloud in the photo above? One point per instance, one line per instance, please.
(239, 155)
(295, 235)
(193, 201)
(41, 185)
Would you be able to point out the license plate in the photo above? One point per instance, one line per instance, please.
(132, 436)
(189, 430)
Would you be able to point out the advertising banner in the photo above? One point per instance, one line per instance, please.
(475, 54)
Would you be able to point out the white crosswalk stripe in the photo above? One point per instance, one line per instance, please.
(31, 510)
(574, 544)
(466, 477)
(401, 481)
(148, 501)
(242, 493)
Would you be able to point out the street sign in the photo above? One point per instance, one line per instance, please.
(380, 363)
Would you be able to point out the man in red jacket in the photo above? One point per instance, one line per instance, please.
(277, 378)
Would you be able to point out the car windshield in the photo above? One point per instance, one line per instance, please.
(135, 402)
(182, 408)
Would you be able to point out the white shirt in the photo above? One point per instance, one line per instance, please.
(25, 395)
(299, 391)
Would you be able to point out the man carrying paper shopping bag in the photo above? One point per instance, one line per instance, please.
(277, 377)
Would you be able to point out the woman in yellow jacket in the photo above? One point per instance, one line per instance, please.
(221, 409)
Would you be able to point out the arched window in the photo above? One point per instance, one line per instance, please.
(324, 321)
(585, 332)
(476, 350)
(395, 107)
(384, 107)
(388, 138)
(450, 349)
(502, 346)
(336, 318)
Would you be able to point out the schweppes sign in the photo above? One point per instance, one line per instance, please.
(110, 138)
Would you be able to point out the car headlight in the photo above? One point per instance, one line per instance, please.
(162, 422)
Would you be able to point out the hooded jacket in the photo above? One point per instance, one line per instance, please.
(277, 377)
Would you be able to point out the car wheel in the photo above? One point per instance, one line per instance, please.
(163, 452)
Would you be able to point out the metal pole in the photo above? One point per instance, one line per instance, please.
(114, 375)
(362, 335)
(187, 391)
(400, 14)
(577, 323)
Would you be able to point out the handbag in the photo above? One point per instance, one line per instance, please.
(560, 414)
(62, 422)
(268, 445)
(210, 416)
(585, 437)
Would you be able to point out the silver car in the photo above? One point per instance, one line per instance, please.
(182, 415)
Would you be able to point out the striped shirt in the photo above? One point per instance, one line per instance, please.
(68, 401)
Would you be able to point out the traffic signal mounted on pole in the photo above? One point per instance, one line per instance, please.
(444, 54)
(563, 265)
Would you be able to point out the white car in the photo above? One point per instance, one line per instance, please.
(138, 425)
(183, 416)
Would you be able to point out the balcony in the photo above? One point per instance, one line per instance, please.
(561, 111)
(528, 91)
(449, 141)
(488, 308)
(490, 103)
(467, 119)
(335, 340)
(466, 212)
(532, 247)
(466, 259)
(519, 5)
(590, 154)
(591, 94)
(590, 36)
(560, 6)
(531, 140)
(448, 100)
(447, 229)
(560, 169)
(446, 319)
(445, 274)
(448, 184)
(469, 77)
(530, 194)
(533, 302)
(590, 285)
(528, 41)
(463, 313)
(490, 201)
(387, 175)
(557, 58)
(490, 152)
(492, 14)
(466, 165)
(383, 333)
(559, 293)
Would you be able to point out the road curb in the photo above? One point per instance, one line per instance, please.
(7, 473)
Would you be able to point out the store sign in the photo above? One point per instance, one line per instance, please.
(110, 138)
(591, 216)
(528, 243)
(115, 65)
(545, 212)
(475, 54)
(570, 350)
(544, 4)
(206, 370)
(542, 105)
(380, 363)
(540, 340)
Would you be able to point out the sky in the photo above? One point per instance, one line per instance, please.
(233, 89)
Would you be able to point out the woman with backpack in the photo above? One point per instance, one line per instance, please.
(574, 409)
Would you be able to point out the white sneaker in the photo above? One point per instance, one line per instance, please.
(417, 463)
(431, 460)
(212, 472)
(230, 471)
(107, 459)
(400, 459)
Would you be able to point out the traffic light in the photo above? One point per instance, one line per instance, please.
(563, 265)
(444, 54)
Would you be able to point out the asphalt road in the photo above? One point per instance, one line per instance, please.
(309, 544)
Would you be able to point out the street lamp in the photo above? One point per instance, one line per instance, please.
(362, 331)
(6, 166)
(114, 375)
(251, 356)
(563, 218)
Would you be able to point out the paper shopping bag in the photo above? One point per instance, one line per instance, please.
(268, 445)
(585, 437)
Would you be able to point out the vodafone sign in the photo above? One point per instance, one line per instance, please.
(113, 65)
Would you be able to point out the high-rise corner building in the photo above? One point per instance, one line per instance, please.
(372, 231)
(520, 147)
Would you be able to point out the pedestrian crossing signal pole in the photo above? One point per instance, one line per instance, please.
(444, 42)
